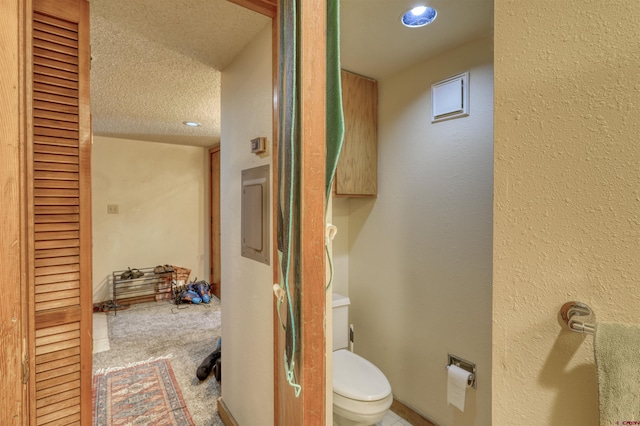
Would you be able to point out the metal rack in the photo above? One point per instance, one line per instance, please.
(141, 289)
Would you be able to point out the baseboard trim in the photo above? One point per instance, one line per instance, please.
(225, 414)
(409, 414)
(397, 407)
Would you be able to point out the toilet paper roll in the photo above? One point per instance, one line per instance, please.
(457, 385)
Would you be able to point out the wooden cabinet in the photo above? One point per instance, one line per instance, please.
(357, 172)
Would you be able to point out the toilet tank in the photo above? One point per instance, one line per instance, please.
(340, 321)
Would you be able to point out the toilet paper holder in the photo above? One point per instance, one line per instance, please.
(465, 365)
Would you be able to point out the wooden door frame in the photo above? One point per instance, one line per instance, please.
(309, 409)
(13, 225)
(313, 68)
(214, 216)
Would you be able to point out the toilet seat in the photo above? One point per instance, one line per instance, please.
(358, 379)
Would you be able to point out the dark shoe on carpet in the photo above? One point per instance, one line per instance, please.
(217, 370)
(207, 365)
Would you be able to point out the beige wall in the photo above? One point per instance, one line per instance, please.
(161, 193)
(420, 254)
(340, 245)
(567, 203)
(247, 297)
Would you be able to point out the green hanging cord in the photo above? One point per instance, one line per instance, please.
(287, 260)
(291, 376)
(334, 119)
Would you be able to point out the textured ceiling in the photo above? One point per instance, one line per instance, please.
(157, 63)
(376, 44)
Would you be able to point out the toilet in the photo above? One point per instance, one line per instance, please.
(361, 392)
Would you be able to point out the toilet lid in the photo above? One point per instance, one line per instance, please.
(356, 378)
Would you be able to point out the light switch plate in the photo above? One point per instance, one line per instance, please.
(258, 145)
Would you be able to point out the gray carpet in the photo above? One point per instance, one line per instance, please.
(188, 333)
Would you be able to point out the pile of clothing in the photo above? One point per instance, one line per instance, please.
(195, 292)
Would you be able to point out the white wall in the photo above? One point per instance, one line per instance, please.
(161, 192)
(420, 254)
(247, 296)
(567, 204)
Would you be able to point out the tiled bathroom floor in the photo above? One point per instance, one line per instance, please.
(392, 419)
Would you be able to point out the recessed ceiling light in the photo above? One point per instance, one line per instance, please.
(191, 124)
(419, 16)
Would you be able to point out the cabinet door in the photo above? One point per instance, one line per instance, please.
(357, 173)
(59, 195)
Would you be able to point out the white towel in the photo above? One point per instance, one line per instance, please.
(617, 354)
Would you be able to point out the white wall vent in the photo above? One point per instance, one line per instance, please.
(450, 98)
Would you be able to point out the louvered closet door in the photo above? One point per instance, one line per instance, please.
(61, 302)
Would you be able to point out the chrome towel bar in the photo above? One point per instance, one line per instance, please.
(586, 323)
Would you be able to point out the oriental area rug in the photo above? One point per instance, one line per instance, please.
(145, 393)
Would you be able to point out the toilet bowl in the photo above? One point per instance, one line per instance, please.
(361, 392)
